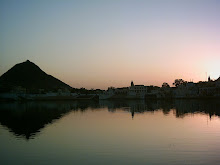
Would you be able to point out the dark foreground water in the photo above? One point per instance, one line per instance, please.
(110, 132)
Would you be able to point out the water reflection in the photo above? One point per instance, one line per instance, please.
(181, 107)
(27, 119)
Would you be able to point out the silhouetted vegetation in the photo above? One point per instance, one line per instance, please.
(165, 84)
(178, 82)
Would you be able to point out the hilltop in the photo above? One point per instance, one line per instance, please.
(29, 76)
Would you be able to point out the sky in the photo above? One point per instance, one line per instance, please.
(102, 43)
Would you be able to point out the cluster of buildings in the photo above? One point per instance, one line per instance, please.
(210, 88)
(20, 93)
(206, 89)
(132, 92)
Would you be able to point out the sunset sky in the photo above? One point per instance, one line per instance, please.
(101, 43)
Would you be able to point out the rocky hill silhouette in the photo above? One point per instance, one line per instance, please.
(29, 76)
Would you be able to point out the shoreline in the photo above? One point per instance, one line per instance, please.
(71, 98)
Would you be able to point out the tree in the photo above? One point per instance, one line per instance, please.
(165, 85)
(178, 82)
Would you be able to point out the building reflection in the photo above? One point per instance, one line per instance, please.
(181, 107)
(26, 120)
(184, 107)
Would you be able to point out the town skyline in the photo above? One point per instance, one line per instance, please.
(24, 71)
(100, 44)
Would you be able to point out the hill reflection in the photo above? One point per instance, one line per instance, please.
(27, 119)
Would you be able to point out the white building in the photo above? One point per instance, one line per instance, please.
(137, 90)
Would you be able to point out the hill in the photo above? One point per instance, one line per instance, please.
(29, 76)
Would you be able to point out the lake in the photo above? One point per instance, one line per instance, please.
(110, 132)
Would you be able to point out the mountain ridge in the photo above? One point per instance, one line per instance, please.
(28, 75)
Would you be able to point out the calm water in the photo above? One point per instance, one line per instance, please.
(110, 132)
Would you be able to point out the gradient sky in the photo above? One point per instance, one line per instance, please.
(96, 43)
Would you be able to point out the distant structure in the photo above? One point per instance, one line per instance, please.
(132, 83)
(137, 89)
